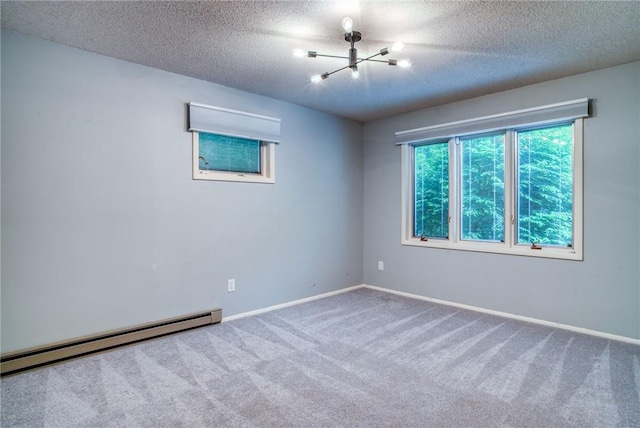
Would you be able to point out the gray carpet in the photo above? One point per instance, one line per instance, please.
(358, 359)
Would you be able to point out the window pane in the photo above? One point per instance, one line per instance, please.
(431, 190)
(229, 154)
(545, 186)
(482, 188)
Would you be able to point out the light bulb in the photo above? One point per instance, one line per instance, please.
(355, 73)
(317, 78)
(404, 63)
(299, 53)
(347, 24)
(397, 46)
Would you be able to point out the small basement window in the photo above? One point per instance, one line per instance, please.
(232, 145)
(226, 158)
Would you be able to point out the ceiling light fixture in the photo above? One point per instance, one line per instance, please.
(352, 37)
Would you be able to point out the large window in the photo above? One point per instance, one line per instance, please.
(514, 190)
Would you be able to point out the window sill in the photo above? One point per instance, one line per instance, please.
(498, 248)
(232, 176)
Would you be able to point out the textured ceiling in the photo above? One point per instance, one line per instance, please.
(458, 49)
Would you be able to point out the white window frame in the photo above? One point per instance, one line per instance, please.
(509, 246)
(267, 166)
(234, 123)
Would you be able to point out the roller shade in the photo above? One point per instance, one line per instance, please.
(568, 110)
(216, 120)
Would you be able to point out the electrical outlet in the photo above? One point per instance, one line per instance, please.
(231, 285)
(380, 265)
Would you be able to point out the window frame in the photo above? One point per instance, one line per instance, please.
(509, 246)
(459, 159)
(449, 193)
(267, 165)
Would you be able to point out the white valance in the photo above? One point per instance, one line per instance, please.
(217, 120)
(569, 110)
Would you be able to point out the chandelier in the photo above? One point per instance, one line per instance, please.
(352, 37)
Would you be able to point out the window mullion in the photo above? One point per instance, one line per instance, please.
(509, 188)
(454, 190)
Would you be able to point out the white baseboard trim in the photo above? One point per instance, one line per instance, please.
(292, 303)
(508, 315)
(440, 302)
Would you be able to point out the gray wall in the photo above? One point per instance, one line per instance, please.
(103, 227)
(600, 293)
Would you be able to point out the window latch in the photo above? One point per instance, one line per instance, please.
(534, 246)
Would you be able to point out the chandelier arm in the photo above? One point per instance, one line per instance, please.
(347, 66)
(368, 58)
(359, 59)
(374, 60)
(332, 56)
(335, 71)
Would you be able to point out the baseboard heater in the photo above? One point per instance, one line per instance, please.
(13, 362)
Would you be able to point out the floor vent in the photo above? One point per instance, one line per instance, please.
(12, 362)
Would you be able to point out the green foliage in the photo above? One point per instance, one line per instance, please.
(544, 187)
(482, 188)
(431, 184)
(545, 197)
